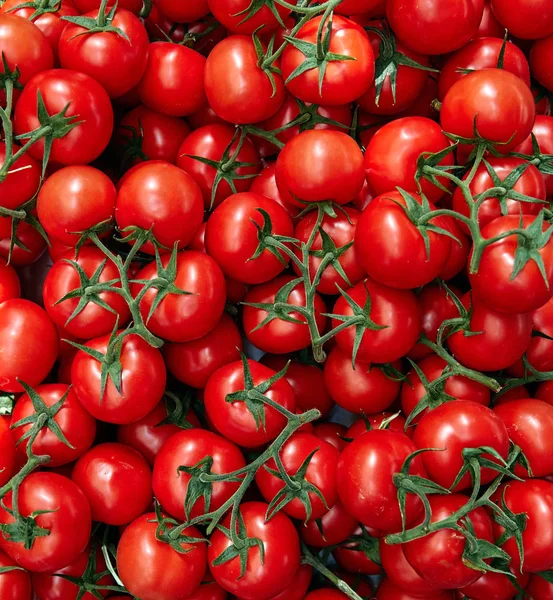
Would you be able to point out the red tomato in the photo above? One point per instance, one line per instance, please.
(388, 591)
(396, 310)
(9, 283)
(151, 569)
(173, 83)
(343, 80)
(489, 25)
(354, 558)
(545, 392)
(333, 433)
(16, 584)
(495, 586)
(88, 104)
(208, 590)
(68, 520)
(194, 362)
(540, 61)
(29, 237)
(543, 130)
(84, 6)
(8, 455)
(28, 344)
(77, 425)
(507, 121)
(184, 317)
(318, 166)
(299, 586)
(188, 448)
(335, 527)
(235, 15)
(326, 594)
(364, 479)
(142, 381)
(438, 557)
(526, 19)
(233, 419)
(21, 182)
(263, 578)
(231, 237)
(184, 12)
(434, 26)
(370, 422)
(279, 336)
(392, 155)
(539, 588)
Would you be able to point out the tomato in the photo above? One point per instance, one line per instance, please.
(500, 102)
(151, 569)
(16, 584)
(142, 381)
(237, 89)
(434, 26)
(483, 53)
(235, 15)
(500, 341)
(396, 310)
(9, 283)
(495, 586)
(354, 559)
(178, 317)
(545, 392)
(367, 389)
(84, 6)
(52, 587)
(22, 181)
(333, 433)
(306, 380)
(321, 472)
(194, 362)
(438, 557)
(392, 155)
(326, 594)
(29, 237)
(527, 19)
(88, 104)
(234, 420)
(173, 83)
(208, 590)
(457, 387)
(299, 586)
(388, 591)
(535, 498)
(343, 80)
(68, 520)
(77, 426)
(8, 455)
(489, 25)
(498, 284)
(211, 142)
(364, 479)
(263, 578)
(370, 422)
(187, 12)
(63, 277)
(530, 183)
(188, 448)
(279, 336)
(539, 588)
(335, 527)
(318, 166)
(543, 130)
(231, 237)
(23, 322)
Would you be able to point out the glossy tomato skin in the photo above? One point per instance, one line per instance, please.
(501, 102)
(233, 419)
(279, 336)
(397, 309)
(208, 590)
(392, 154)
(438, 557)
(16, 584)
(68, 521)
(262, 579)
(62, 278)
(76, 424)
(363, 390)
(143, 381)
(187, 448)
(29, 237)
(540, 60)
(336, 526)
(320, 165)
(532, 19)
(151, 569)
(326, 594)
(232, 14)
(321, 472)
(543, 130)
(389, 591)
(21, 183)
(539, 588)
(496, 586)
(344, 81)
(361, 426)
(364, 479)
(9, 283)
(194, 362)
(183, 13)
(333, 433)
(8, 453)
(88, 102)
(299, 586)
(22, 320)
(173, 82)
(352, 558)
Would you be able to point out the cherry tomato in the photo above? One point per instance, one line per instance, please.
(495, 586)
(299, 586)
(388, 591)
(539, 588)
(9, 283)
(22, 181)
(235, 15)
(528, 19)
(8, 454)
(355, 559)
(15, 584)
(543, 130)
(333, 433)
(489, 25)
(27, 236)
(265, 184)
(186, 12)
(335, 527)
(370, 422)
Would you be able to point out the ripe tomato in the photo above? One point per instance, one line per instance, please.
(9, 283)
(396, 310)
(88, 103)
(527, 19)
(438, 557)
(173, 83)
(142, 381)
(496, 586)
(231, 237)
(234, 419)
(370, 422)
(540, 60)
(364, 479)
(151, 569)
(178, 317)
(84, 6)
(20, 322)
(543, 130)
(299, 586)
(318, 166)
(235, 15)
(263, 577)
(489, 25)
(335, 527)
(265, 184)
(539, 588)
(279, 336)
(16, 584)
(354, 559)
(8, 454)
(188, 448)
(186, 12)
(208, 590)
(343, 80)
(68, 520)
(326, 594)
(22, 180)
(389, 591)
(29, 237)
(77, 425)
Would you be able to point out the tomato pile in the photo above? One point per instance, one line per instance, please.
(276, 299)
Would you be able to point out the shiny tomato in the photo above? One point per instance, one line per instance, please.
(9, 283)
(28, 236)
(8, 454)
(236, 16)
(489, 25)
(543, 131)
(389, 591)
(496, 586)
(333, 433)
(540, 61)
(184, 12)
(22, 181)
(265, 184)
(356, 559)
(14, 584)
(539, 588)
(299, 586)
(335, 527)
(526, 19)
(84, 6)
(370, 422)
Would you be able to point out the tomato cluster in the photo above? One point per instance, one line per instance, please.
(276, 299)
